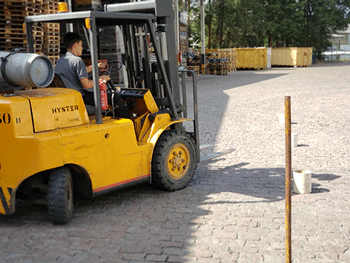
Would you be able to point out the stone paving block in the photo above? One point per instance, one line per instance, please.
(208, 260)
(345, 256)
(156, 258)
(250, 257)
(233, 210)
(134, 256)
(132, 248)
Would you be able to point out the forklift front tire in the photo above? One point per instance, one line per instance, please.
(173, 161)
(60, 195)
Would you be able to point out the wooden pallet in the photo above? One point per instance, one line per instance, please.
(8, 46)
(54, 59)
(51, 49)
(217, 68)
(12, 32)
(46, 36)
(21, 8)
(52, 31)
(50, 9)
(52, 27)
(195, 68)
(6, 2)
(222, 72)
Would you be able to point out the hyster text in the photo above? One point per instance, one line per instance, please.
(65, 109)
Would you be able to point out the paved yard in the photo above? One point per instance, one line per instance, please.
(233, 210)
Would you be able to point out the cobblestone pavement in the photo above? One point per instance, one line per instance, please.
(233, 210)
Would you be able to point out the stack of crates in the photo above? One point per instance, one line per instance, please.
(12, 32)
(217, 61)
(195, 68)
(232, 59)
(51, 46)
(227, 55)
(217, 66)
(12, 28)
(211, 56)
(194, 63)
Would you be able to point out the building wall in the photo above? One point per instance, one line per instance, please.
(345, 47)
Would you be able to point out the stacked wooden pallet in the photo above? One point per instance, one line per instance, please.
(195, 68)
(232, 59)
(217, 66)
(51, 46)
(229, 54)
(12, 30)
(12, 13)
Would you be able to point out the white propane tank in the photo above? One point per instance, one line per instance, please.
(26, 69)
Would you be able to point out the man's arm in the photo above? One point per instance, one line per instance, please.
(89, 83)
(100, 65)
(82, 74)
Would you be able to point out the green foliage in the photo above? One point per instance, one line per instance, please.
(276, 23)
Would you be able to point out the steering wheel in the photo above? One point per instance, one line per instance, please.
(109, 71)
(110, 84)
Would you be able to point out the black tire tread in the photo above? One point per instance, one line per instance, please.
(158, 179)
(57, 205)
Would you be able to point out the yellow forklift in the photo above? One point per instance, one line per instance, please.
(52, 149)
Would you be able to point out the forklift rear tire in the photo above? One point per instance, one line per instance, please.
(173, 161)
(60, 196)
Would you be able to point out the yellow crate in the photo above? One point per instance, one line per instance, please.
(251, 58)
(291, 56)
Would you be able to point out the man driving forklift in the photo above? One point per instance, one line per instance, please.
(75, 75)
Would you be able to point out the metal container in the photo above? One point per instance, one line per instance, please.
(251, 58)
(292, 56)
(26, 69)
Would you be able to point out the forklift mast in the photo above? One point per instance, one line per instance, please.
(163, 11)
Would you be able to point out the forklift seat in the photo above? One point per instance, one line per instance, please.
(57, 82)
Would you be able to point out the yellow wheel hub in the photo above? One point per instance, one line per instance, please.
(178, 160)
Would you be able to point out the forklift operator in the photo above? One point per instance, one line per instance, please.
(72, 70)
(74, 74)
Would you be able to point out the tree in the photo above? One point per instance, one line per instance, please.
(274, 23)
(323, 17)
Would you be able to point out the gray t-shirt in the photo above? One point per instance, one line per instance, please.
(71, 69)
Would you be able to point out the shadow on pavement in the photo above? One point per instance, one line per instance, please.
(212, 109)
(147, 224)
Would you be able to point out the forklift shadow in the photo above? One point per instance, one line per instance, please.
(143, 220)
(258, 185)
(266, 185)
(236, 79)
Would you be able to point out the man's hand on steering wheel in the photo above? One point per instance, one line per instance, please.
(107, 74)
(102, 65)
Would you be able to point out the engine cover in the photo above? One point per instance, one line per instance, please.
(54, 108)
